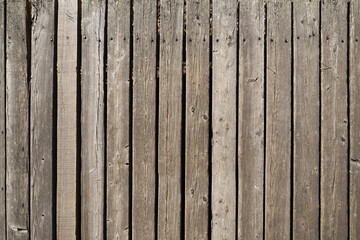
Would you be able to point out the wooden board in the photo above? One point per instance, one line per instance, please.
(118, 79)
(278, 120)
(41, 123)
(354, 120)
(92, 119)
(334, 122)
(251, 119)
(170, 109)
(144, 117)
(306, 120)
(66, 120)
(17, 122)
(224, 119)
(2, 125)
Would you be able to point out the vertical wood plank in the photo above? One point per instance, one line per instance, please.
(2, 124)
(92, 119)
(197, 120)
(224, 119)
(118, 119)
(306, 120)
(170, 109)
(17, 119)
(278, 120)
(334, 122)
(66, 120)
(41, 122)
(144, 115)
(354, 120)
(251, 119)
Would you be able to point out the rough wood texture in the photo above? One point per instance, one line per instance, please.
(66, 120)
(334, 122)
(118, 119)
(354, 120)
(197, 120)
(170, 99)
(144, 112)
(306, 120)
(17, 119)
(251, 119)
(92, 119)
(2, 125)
(224, 119)
(41, 112)
(278, 120)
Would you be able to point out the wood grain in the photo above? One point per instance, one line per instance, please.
(334, 122)
(170, 119)
(2, 125)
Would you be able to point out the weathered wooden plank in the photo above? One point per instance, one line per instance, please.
(92, 119)
(278, 120)
(66, 119)
(306, 120)
(354, 120)
(17, 119)
(197, 120)
(144, 115)
(170, 108)
(41, 122)
(2, 125)
(224, 119)
(251, 119)
(118, 119)
(334, 122)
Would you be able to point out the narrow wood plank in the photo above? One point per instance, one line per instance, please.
(251, 119)
(306, 120)
(197, 120)
(170, 108)
(278, 120)
(224, 119)
(334, 122)
(41, 122)
(2, 125)
(118, 119)
(92, 119)
(144, 115)
(66, 120)
(354, 120)
(17, 119)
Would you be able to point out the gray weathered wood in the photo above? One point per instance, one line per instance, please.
(354, 120)
(197, 120)
(278, 120)
(170, 99)
(41, 122)
(17, 122)
(2, 124)
(118, 119)
(66, 120)
(92, 119)
(306, 120)
(224, 119)
(334, 122)
(251, 119)
(144, 112)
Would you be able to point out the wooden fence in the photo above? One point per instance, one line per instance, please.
(173, 119)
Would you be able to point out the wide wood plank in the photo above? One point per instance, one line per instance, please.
(144, 115)
(306, 120)
(118, 79)
(197, 120)
(92, 119)
(334, 122)
(224, 119)
(41, 122)
(251, 119)
(66, 120)
(278, 120)
(2, 124)
(170, 107)
(17, 122)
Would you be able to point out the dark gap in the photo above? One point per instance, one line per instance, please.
(131, 63)
(28, 45)
(292, 127)
(265, 86)
(320, 109)
(4, 91)
(78, 126)
(210, 116)
(157, 118)
(237, 122)
(348, 114)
